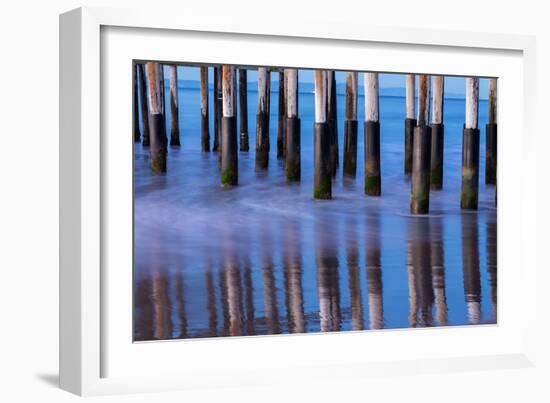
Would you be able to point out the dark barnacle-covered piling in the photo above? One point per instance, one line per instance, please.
(373, 183)
(292, 131)
(322, 183)
(491, 136)
(205, 126)
(229, 158)
(350, 126)
(174, 107)
(243, 110)
(436, 164)
(410, 122)
(470, 147)
(157, 126)
(262, 119)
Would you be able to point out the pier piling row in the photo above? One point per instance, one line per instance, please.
(373, 183)
(420, 183)
(470, 148)
(322, 183)
(350, 126)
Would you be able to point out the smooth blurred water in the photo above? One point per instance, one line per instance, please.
(265, 258)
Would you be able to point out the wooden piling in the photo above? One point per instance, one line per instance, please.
(373, 185)
(217, 107)
(436, 164)
(410, 122)
(229, 159)
(156, 119)
(332, 120)
(135, 104)
(420, 183)
(491, 136)
(470, 147)
(262, 119)
(243, 109)
(143, 104)
(293, 127)
(350, 126)
(163, 101)
(174, 107)
(322, 184)
(281, 127)
(205, 125)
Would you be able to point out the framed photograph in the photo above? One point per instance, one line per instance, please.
(242, 203)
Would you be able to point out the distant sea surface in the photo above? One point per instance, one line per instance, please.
(265, 258)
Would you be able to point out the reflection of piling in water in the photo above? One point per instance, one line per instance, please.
(438, 271)
(180, 304)
(262, 119)
(420, 183)
(413, 303)
(332, 120)
(229, 160)
(328, 281)
(419, 238)
(211, 302)
(352, 258)
(157, 126)
(292, 133)
(249, 298)
(470, 267)
(373, 178)
(436, 165)
(270, 290)
(281, 123)
(491, 136)
(205, 125)
(174, 107)
(143, 104)
(374, 273)
(243, 110)
(492, 263)
(350, 126)
(144, 317)
(322, 184)
(135, 104)
(410, 123)
(161, 305)
(470, 147)
(292, 261)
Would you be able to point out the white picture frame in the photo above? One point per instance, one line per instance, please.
(96, 354)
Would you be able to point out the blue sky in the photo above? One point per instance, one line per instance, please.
(453, 85)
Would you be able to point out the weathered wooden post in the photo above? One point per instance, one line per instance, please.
(262, 119)
(373, 185)
(322, 184)
(135, 106)
(281, 128)
(163, 101)
(292, 132)
(420, 184)
(410, 122)
(350, 126)
(436, 164)
(470, 147)
(217, 107)
(205, 126)
(243, 109)
(156, 119)
(143, 104)
(174, 107)
(229, 161)
(332, 119)
(491, 136)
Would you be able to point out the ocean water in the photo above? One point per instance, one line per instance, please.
(265, 258)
